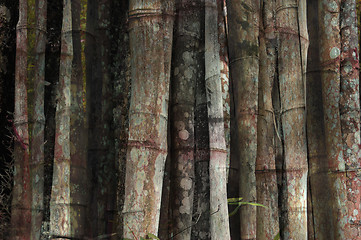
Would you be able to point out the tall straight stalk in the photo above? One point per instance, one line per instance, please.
(21, 200)
(121, 93)
(201, 210)
(69, 190)
(150, 32)
(100, 150)
(350, 111)
(329, 50)
(186, 67)
(37, 144)
(292, 47)
(266, 175)
(244, 67)
(320, 184)
(217, 145)
(224, 68)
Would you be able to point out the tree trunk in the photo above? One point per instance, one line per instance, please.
(100, 150)
(320, 185)
(121, 94)
(21, 202)
(69, 190)
(217, 145)
(266, 176)
(243, 48)
(54, 22)
(350, 111)
(292, 46)
(201, 207)
(224, 68)
(329, 38)
(151, 26)
(186, 66)
(37, 144)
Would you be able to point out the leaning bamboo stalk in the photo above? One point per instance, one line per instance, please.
(218, 154)
(68, 196)
(243, 49)
(350, 110)
(266, 176)
(150, 31)
(21, 200)
(224, 68)
(186, 67)
(292, 45)
(37, 144)
(329, 38)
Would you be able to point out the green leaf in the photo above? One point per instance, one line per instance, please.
(232, 200)
(234, 211)
(277, 237)
(152, 236)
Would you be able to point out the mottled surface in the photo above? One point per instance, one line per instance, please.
(69, 189)
(150, 32)
(292, 49)
(266, 177)
(187, 67)
(37, 143)
(243, 43)
(21, 196)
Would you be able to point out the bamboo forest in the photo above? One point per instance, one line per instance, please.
(180, 119)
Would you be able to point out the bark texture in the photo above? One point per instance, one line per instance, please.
(292, 47)
(69, 190)
(243, 48)
(186, 66)
(121, 93)
(350, 111)
(150, 31)
(320, 184)
(201, 209)
(37, 144)
(21, 201)
(329, 38)
(217, 145)
(266, 176)
(101, 141)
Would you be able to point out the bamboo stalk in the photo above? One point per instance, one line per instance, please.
(69, 190)
(37, 144)
(21, 200)
(350, 110)
(186, 67)
(218, 154)
(266, 174)
(243, 49)
(329, 38)
(292, 46)
(150, 31)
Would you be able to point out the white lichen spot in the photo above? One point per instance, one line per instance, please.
(334, 22)
(186, 114)
(187, 56)
(333, 6)
(355, 212)
(186, 183)
(188, 73)
(184, 134)
(335, 52)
